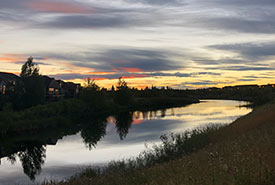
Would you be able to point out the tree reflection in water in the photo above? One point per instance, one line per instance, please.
(123, 123)
(32, 158)
(31, 149)
(93, 132)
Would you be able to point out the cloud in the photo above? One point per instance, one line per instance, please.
(221, 61)
(121, 59)
(93, 21)
(246, 80)
(51, 6)
(203, 82)
(243, 68)
(20, 58)
(116, 75)
(49, 14)
(246, 3)
(256, 17)
(70, 76)
(231, 17)
(159, 2)
(58, 7)
(38, 63)
(144, 59)
(131, 69)
(257, 77)
(253, 51)
(250, 56)
(265, 25)
(12, 4)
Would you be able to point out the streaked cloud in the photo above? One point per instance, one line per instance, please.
(251, 51)
(166, 41)
(121, 59)
(116, 75)
(98, 21)
(58, 7)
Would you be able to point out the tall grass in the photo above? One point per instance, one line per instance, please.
(174, 146)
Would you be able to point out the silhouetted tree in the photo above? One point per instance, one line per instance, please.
(29, 69)
(113, 88)
(92, 95)
(33, 84)
(91, 84)
(123, 95)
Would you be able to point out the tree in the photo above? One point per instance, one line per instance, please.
(113, 89)
(122, 84)
(29, 69)
(33, 84)
(91, 84)
(123, 95)
(92, 95)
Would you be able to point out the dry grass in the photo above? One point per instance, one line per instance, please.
(240, 154)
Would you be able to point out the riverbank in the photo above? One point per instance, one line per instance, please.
(241, 153)
(76, 111)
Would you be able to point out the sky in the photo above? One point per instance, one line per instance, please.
(176, 43)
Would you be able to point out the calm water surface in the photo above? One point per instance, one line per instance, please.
(60, 154)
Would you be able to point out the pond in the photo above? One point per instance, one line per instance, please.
(59, 153)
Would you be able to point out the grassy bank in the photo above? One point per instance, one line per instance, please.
(75, 111)
(241, 153)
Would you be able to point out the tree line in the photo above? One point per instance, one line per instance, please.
(29, 91)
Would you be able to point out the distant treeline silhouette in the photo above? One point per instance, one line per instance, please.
(33, 89)
(256, 94)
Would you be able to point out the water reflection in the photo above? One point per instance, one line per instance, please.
(123, 123)
(107, 137)
(31, 151)
(32, 159)
(32, 156)
(93, 132)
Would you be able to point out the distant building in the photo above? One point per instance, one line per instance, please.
(69, 89)
(52, 88)
(7, 82)
(58, 89)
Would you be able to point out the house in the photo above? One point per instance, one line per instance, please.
(69, 89)
(58, 89)
(7, 82)
(52, 88)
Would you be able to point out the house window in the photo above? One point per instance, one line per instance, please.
(4, 89)
(51, 89)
